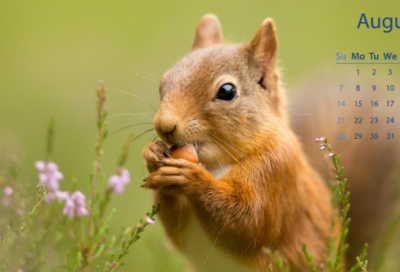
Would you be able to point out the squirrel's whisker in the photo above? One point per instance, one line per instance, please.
(150, 74)
(217, 157)
(233, 157)
(155, 138)
(179, 222)
(137, 96)
(230, 154)
(149, 78)
(224, 142)
(133, 113)
(130, 127)
(209, 253)
(241, 165)
(233, 148)
(141, 134)
(144, 55)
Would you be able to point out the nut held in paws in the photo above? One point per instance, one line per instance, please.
(187, 152)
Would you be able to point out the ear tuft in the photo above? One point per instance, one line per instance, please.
(264, 46)
(208, 32)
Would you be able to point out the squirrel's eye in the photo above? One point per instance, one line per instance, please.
(226, 92)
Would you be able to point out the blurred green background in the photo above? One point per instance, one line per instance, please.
(53, 53)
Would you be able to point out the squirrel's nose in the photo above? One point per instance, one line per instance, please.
(165, 125)
(167, 128)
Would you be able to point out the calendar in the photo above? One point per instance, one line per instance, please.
(354, 102)
(366, 102)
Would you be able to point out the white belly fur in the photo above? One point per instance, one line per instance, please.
(202, 253)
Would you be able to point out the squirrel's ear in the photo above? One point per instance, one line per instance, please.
(263, 48)
(208, 32)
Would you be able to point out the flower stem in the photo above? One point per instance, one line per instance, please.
(102, 133)
(41, 193)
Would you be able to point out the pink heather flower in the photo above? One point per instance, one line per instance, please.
(316, 140)
(81, 211)
(40, 165)
(51, 166)
(51, 196)
(78, 196)
(8, 191)
(76, 203)
(322, 139)
(49, 175)
(149, 221)
(330, 154)
(119, 181)
(322, 148)
(69, 208)
(60, 195)
(7, 196)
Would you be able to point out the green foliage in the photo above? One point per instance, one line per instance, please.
(361, 259)
(340, 201)
(44, 228)
(41, 192)
(276, 261)
(309, 259)
(115, 259)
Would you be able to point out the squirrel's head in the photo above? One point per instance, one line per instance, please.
(221, 97)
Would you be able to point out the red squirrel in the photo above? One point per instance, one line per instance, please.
(253, 190)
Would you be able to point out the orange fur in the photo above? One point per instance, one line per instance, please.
(256, 190)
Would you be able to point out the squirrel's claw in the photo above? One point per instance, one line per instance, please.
(178, 163)
(174, 176)
(153, 153)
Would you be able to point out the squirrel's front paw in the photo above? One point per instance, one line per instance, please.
(154, 152)
(175, 176)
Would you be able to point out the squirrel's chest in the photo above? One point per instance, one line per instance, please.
(202, 252)
(204, 255)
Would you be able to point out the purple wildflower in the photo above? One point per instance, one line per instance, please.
(8, 191)
(49, 175)
(50, 196)
(80, 200)
(69, 208)
(7, 196)
(60, 195)
(118, 182)
(74, 204)
(149, 221)
(331, 155)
